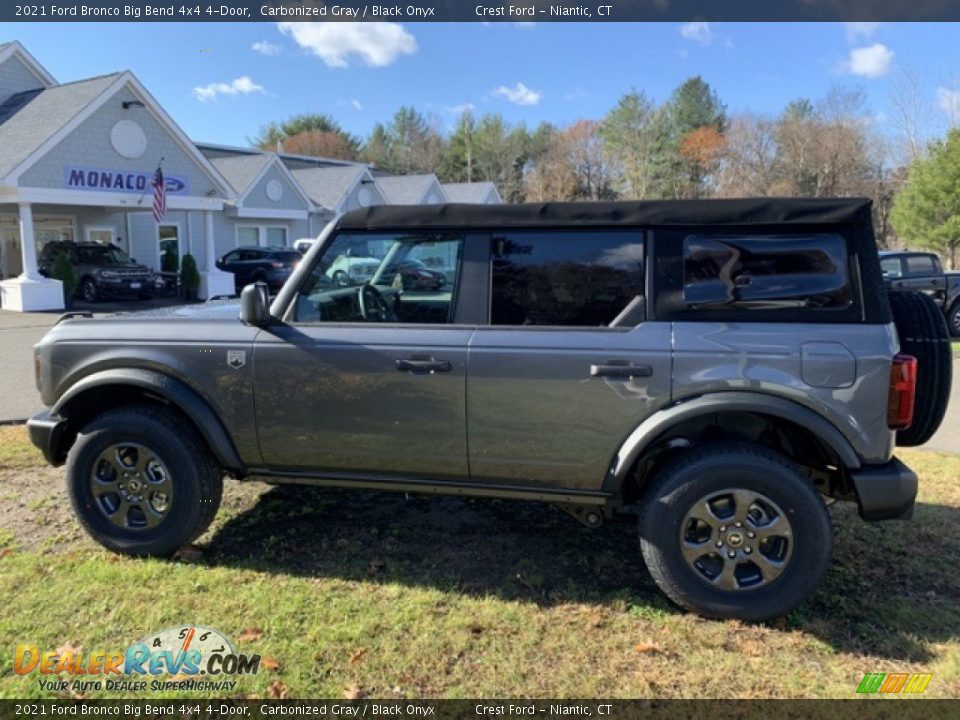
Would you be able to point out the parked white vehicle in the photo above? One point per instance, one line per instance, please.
(303, 244)
(347, 270)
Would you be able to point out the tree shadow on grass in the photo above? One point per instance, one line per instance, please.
(892, 590)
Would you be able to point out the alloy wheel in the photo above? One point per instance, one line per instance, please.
(131, 486)
(736, 540)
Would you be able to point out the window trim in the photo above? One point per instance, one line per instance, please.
(642, 233)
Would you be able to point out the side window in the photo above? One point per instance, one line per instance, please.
(921, 265)
(231, 256)
(572, 279)
(766, 272)
(891, 267)
(383, 277)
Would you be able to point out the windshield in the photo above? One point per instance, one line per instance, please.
(102, 256)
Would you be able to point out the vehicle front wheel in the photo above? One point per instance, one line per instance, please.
(89, 290)
(141, 483)
(735, 531)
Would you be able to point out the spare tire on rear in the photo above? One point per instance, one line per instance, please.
(923, 333)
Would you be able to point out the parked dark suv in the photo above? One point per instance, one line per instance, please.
(716, 368)
(922, 272)
(101, 270)
(270, 265)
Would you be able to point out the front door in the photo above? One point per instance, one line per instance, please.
(169, 236)
(567, 367)
(367, 375)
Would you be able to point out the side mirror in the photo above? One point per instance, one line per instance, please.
(255, 304)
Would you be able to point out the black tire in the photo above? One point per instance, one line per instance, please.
(89, 290)
(923, 333)
(196, 479)
(682, 485)
(953, 319)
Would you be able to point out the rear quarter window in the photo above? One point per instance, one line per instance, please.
(758, 274)
(766, 272)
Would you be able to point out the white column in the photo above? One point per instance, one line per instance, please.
(28, 243)
(30, 291)
(208, 238)
(213, 281)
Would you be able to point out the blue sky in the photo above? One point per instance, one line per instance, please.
(221, 82)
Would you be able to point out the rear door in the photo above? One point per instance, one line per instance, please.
(923, 273)
(566, 366)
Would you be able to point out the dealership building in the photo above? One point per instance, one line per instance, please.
(76, 164)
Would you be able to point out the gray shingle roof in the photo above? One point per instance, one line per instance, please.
(241, 170)
(26, 130)
(327, 186)
(405, 189)
(472, 192)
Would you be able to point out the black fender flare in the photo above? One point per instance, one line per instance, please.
(650, 429)
(174, 391)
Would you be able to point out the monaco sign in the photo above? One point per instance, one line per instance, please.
(79, 178)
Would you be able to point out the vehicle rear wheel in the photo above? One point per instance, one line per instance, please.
(923, 333)
(735, 531)
(141, 483)
(953, 318)
(89, 290)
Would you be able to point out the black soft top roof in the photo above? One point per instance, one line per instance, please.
(746, 211)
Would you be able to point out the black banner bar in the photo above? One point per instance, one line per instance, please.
(187, 709)
(481, 11)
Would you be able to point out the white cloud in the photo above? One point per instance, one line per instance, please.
(575, 94)
(949, 101)
(265, 47)
(356, 104)
(861, 30)
(376, 43)
(519, 94)
(462, 108)
(872, 61)
(699, 32)
(242, 85)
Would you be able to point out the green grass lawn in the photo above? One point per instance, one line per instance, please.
(387, 596)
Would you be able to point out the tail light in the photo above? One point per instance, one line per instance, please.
(903, 392)
(277, 265)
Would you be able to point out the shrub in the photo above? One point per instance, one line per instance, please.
(168, 261)
(63, 271)
(189, 276)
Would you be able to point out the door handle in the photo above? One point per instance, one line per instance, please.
(414, 365)
(620, 370)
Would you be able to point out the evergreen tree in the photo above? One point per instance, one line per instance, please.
(926, 213)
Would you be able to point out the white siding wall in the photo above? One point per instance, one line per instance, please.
(16, 77)
(89, 146)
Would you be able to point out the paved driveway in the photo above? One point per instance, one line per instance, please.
(19, 332)
(19, 398)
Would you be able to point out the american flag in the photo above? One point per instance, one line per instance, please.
(159, 195)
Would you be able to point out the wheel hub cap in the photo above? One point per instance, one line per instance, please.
(131, 486)
(736, 540)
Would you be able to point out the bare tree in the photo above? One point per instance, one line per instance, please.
(910, 114)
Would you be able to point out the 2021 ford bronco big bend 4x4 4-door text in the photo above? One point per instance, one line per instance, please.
(719, 368)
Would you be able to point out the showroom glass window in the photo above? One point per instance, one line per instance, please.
(569, 279)
(766, 272)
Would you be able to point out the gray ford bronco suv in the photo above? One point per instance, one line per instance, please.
(719, 368)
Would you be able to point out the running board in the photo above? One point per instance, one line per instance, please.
(436, 487)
